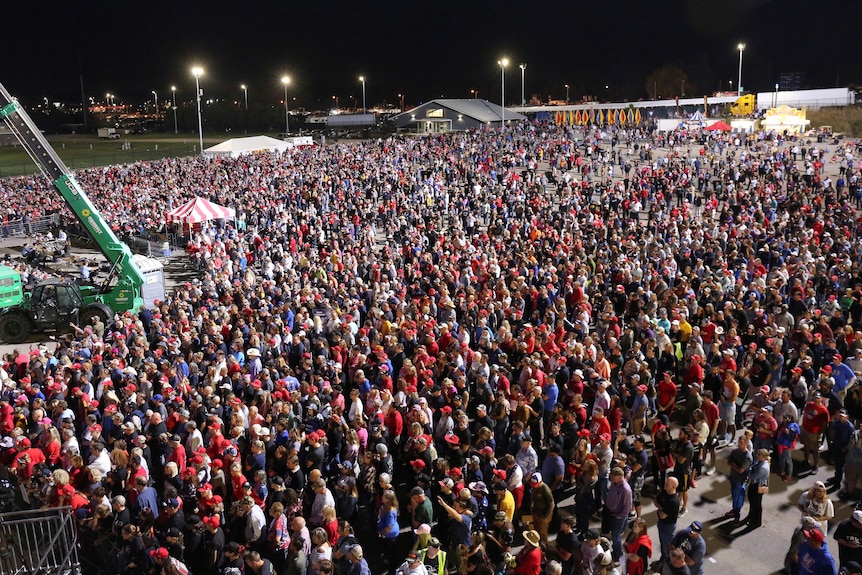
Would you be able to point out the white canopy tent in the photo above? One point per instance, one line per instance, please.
(236, 147)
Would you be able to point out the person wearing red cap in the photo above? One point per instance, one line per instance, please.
(814, 555)
(760, 373)
(599, 426)
(639, 408)
(169, 565)
(666, 394)
(27, 458)
(843, 375)
(815, 419)
(694, 373)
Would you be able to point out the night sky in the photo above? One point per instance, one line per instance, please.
(423, 49)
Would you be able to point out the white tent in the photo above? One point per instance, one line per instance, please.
(236, 147)
(199, 210)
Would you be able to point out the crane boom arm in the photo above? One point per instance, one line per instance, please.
(130, 280)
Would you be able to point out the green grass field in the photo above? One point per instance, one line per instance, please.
(86, 150)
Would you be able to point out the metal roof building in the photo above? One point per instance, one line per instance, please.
(452, 115)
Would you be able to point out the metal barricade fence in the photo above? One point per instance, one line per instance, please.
(40, 542)
(20, 228)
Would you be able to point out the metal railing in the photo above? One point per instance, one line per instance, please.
(20, 228)
(40, 542)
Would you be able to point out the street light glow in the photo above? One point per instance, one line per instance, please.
(286, 80)
(523, 68)
(503, 63)
(740, 47)
(174, 98)
(197, 72)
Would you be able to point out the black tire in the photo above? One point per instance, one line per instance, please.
(15, 327)
(97, 311)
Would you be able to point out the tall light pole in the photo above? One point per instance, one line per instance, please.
(156, 96)
(286, 80)
(740, 47)
(362, 79)
(503, 63)
(682, 87)
(523, 68)
(244, 89)
(109, 99)
(401, 99)
(197, 71)
(174, 94)
(567, 93)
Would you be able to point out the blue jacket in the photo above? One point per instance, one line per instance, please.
(816, 561)
(788, 436)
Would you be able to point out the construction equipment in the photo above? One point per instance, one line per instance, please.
(132, 283)
(11, 292)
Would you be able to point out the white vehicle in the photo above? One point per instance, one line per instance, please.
(108, 134)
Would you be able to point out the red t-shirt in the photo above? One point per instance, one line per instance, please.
(769, 423)
(711, 413)
(666, 393)
(34, 457)
(529, 562)
(815, 418)
(597, 428)
(332, 531)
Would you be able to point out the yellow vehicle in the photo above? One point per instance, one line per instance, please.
(744, 105)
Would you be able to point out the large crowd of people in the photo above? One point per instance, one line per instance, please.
(487, 352)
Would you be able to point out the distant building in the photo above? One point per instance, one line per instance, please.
(453, 115)
(791, 80)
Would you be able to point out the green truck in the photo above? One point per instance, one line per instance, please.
(133, 281)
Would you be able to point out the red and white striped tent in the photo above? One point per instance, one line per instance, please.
(199, 210)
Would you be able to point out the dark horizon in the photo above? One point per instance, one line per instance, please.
(445, 49)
